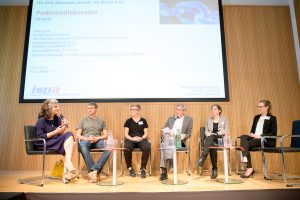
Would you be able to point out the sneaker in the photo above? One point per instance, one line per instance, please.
(244, 159)
(93, 176)
(131, 172)
(143, 173)
(163, 176)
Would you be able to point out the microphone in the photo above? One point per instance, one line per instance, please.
(62, 118)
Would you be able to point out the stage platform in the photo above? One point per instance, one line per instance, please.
(149, 188)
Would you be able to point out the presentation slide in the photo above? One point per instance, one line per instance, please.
(124, 50)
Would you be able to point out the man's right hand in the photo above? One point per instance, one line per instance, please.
(92, 139)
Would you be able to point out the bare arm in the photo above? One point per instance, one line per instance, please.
(79, 136)
(145, 136)
(104, 135)
(126, 131)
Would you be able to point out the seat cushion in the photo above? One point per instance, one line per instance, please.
(39, 152)
(272, 149)
(279, 150)
(254, 149)
(182, 149)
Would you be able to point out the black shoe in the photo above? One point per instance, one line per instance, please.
(200, 162)
(143, 173)
(214, 174)
(171, 162)
(163, 176)
(131, 172)
(250, 175)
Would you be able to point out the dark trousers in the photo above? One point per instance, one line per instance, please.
(246, 143)
(209, 141)
(145, 147)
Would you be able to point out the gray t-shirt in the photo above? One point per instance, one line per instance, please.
(91, 126)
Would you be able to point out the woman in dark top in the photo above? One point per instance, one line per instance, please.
(136, 133)
(216, 127)
(51, 127)
(264, 124)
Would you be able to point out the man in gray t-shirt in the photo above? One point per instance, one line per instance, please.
(91, 132)
(92, 126)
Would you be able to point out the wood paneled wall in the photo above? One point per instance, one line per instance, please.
(261, 65)
(297, 16)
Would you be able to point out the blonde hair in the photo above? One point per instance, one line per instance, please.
(136, 105)
(267, 103)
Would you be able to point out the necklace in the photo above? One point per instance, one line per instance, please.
(52, 122)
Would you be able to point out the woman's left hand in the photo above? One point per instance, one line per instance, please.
(64, 122)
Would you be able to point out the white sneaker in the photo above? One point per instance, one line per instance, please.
(244, 159)
(93, 176)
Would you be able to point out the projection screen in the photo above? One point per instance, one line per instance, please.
(124, 50)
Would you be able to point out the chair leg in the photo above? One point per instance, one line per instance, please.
(121, 163)
(285, 177)
(199, 154)
(43, 170)
(40, 181)
(283, 169)
(264, 166)
(229, 162)
(236, 162)
(189, 166)
(265, 169)
(150, 171)
(78, 163)
(108, 165)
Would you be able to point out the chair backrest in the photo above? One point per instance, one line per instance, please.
(29, 134)
(295, 142)
(202, 136)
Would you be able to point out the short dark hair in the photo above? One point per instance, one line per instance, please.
(93, 104)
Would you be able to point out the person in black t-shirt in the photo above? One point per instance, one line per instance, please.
(136, 133)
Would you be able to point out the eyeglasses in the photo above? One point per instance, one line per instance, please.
(134, 109)
(261, 106)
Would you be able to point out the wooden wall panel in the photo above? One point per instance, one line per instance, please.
(297, 16)
(261, 65)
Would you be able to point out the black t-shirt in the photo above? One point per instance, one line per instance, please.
(215, 127)
(136, 128)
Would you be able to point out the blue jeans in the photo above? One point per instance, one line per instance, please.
(85, 147)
